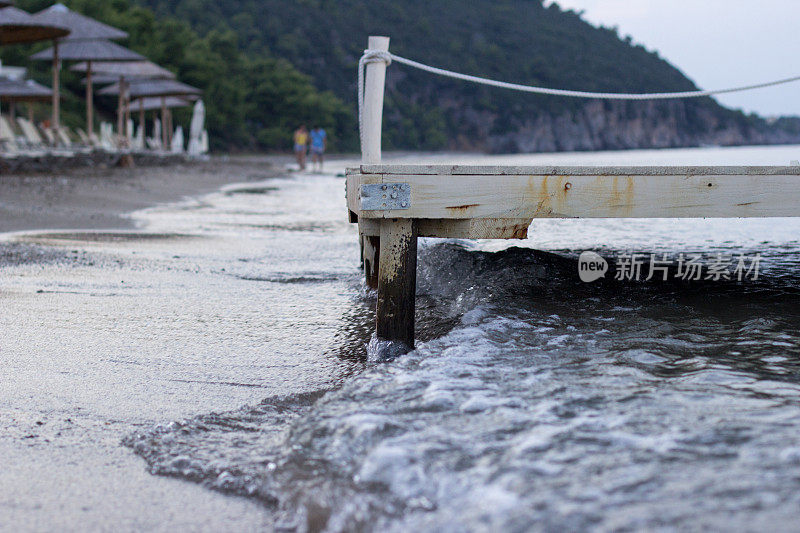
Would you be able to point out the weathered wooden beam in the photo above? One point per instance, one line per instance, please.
(397, 282)
(588, 192)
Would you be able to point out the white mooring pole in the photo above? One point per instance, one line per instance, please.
(373, 104)
(396, 245)
(369, 232)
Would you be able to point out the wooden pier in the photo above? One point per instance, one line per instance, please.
(395, 204)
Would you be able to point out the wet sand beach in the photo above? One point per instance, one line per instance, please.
(67, 399)
(202, 365)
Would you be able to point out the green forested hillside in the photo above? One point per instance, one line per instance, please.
(253, 101)
(268, 64)
(514, 40)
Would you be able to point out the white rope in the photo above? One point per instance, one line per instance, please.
(380, 56)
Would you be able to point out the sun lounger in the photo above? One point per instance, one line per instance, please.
(107, 140)
(63, 137)
(31, 140)
(83, 137)
(8, 139)
(32, 137)
(68, 141)
(49, 136)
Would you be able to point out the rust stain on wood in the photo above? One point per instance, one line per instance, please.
(519, 232)
(538, 192)
(462, 207)
(621, 196)
(629, 194)
(561, 190)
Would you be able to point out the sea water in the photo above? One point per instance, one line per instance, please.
(533, 401)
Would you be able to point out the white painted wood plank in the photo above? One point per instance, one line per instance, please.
(593, 196)
(505, 170)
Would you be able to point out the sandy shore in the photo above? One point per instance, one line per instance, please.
(63, 465)
(100, 198)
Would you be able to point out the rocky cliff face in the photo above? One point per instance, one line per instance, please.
(601, 125)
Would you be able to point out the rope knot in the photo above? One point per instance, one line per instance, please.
(376, 56)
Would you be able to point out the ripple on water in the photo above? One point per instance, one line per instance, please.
(640, 408)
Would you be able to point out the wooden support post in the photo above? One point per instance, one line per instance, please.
(397, 282)
(370, 250)
(371, 151)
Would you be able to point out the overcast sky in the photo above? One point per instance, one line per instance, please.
(716, 43)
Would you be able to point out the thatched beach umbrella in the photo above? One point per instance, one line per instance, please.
(113, 72)
(129, 70)
(145, 88)
(101, 79)
(96, 49)
(146, 104)
(17, 26)
(92, 50)
(23, 91)
(155, 104)
(83, 29)
(16, 91)
(156, 88)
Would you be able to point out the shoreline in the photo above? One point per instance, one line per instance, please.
(95, 199)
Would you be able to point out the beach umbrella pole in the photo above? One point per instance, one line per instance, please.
(119, 109)
(170, 131)
(128, 127)
(163, 123)
(89, 101)
(141, 115)
(56, 87)
(121, 126)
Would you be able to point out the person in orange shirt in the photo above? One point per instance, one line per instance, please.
(301, 146)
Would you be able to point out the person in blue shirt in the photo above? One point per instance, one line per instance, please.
(319, 142)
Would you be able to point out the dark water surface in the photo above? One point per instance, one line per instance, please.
(534, 401)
